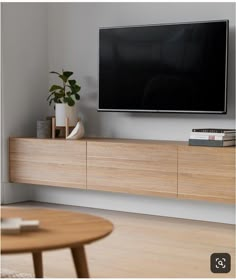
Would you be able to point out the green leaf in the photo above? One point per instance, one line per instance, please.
(64, 78)
(59, 94)
(55, 87)
(75, 88)
(71, 102)
(77, 96)
(52, 93)
(72, 82)
(53, 72)
(67, 73)
(49, 95)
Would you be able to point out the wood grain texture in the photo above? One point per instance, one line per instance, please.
(136, 141)
(58, 229)
(142, 167)
(132, 167)
(206, 173)
(38, 264)
(80, 262)
(48, 162)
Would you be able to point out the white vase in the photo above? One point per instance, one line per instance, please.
(77, 132)
(64, 111)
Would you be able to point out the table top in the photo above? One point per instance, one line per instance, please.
(58, 229)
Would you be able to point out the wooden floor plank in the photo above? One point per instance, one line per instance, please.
(140, 246)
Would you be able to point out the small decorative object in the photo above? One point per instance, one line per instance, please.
(64, 97)
(44, 129)
(16, 225)
(77, 132)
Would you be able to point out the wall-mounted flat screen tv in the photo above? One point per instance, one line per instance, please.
(179, 68)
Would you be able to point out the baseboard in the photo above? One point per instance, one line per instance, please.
(178, 208)
(12, 193)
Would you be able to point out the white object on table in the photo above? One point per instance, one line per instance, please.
(16, 225)
(77, 132)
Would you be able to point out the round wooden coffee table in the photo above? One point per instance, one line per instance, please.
(58, 229)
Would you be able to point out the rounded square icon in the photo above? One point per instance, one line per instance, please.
(220, 263)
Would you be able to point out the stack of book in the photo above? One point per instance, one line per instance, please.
(213, 137)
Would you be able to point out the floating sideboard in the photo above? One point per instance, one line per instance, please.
(136, 167)
(141, 167)
(48, 162)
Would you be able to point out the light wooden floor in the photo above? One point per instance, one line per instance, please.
(141, 246)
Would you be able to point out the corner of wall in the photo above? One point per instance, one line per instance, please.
(12, 193)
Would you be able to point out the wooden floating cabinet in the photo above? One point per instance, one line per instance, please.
(48, 162)
(141, 167)
(206, 173)
(136, 167)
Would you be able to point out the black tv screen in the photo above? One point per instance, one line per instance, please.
(179, 68)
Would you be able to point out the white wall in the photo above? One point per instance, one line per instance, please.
(24, 79)
(1, 165)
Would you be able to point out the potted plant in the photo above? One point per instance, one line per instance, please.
(64, 97)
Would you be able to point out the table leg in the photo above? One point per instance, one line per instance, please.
(80, 262)
(38, 264)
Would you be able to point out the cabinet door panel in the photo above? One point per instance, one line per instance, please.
(206, 173)
(148, 169)
(48, 162)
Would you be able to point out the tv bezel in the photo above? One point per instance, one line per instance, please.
(170, 111)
